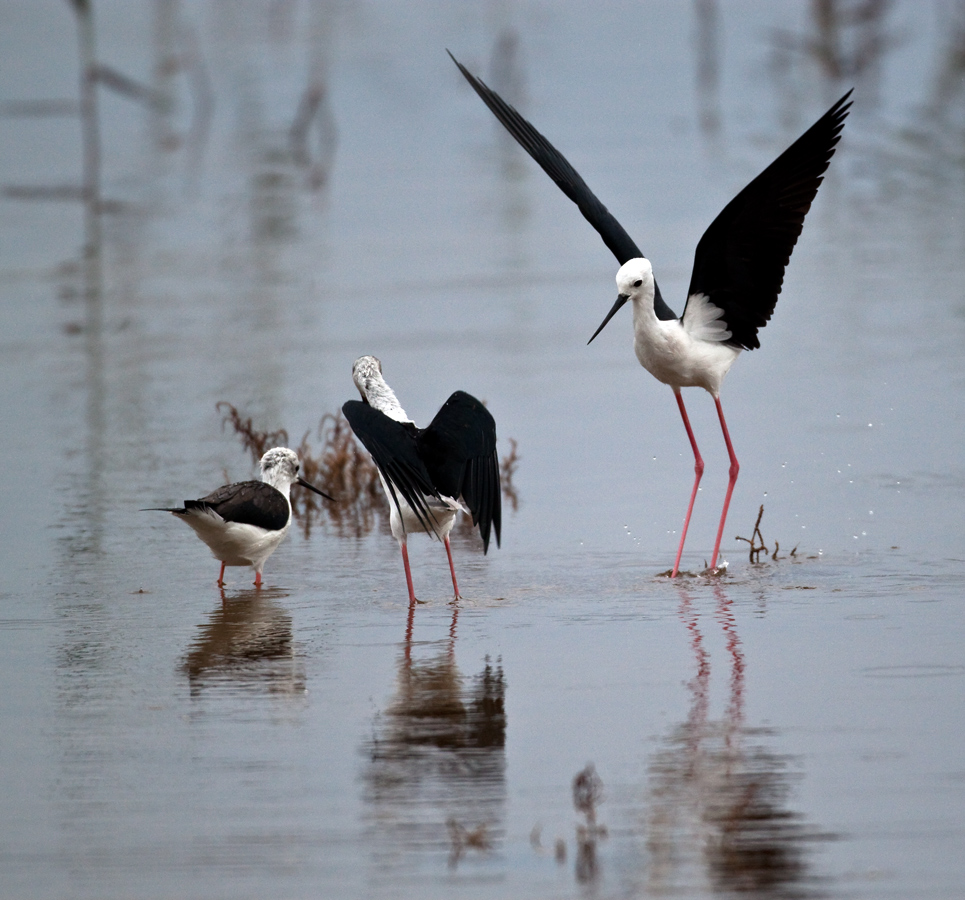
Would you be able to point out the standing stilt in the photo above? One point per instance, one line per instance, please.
(734, 469)
(408, 573)
(452, 570)
(698, 474)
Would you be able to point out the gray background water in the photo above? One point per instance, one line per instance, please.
(795, 729)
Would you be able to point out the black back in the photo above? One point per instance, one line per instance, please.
(567, 179)
(740, 260)
(246, 502)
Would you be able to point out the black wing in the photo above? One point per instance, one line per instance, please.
(246, 502)
(740, 261)
(395, 451)
(567, 179)
(459, 450)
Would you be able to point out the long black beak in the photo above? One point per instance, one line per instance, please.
(311, 487)
(621, 299)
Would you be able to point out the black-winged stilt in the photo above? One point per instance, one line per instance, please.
(428, 474)
(243, 523)
(738, 268)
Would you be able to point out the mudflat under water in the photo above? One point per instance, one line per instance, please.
(286, 186)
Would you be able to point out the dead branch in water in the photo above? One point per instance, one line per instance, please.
(756, 549)
(755, 552)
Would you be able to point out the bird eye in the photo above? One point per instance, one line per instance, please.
(638, 282)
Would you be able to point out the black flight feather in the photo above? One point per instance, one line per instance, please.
(394, 449)
(459, 451)
(567, 179)
(740, 260)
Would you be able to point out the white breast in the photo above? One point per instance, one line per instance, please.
(688, 353)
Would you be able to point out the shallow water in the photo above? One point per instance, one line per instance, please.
(792, 729)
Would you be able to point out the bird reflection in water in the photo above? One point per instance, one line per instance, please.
(435, 773)
(247, 643)
(718, 810)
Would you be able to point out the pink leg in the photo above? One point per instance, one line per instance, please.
(221, 577)
(257, 578)
(408, 574)
(452, 570)
(734, 469)
(698, 472)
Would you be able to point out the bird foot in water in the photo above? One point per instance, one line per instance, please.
(716, 571)
(680, 574)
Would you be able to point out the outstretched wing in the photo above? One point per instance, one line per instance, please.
(567, 179)
(395, 451)
(459, 450)
(740, 261)
(246, 502)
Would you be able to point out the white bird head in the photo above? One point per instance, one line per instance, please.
(279, 468)
(365, 370)
(634, 281)
(367, 375)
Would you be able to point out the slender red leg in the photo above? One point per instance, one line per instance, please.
(221, 577)
(698, 472)
(408, 574)
(452, 570)
(257, 579)
(734, 469)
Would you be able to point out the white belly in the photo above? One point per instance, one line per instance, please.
(407, 522)
(233, 543)
(673, 356)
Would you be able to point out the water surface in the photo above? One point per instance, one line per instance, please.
(300, 184)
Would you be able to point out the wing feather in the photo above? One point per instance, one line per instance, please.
(247, 503)
(459, 450)
(568, 180)
(739, 262)
(395, 452)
